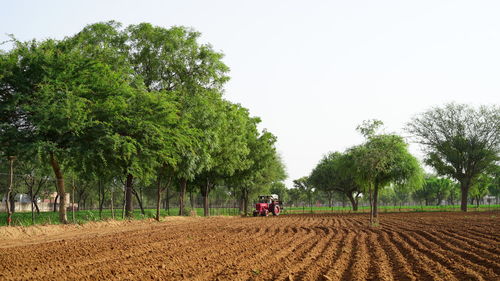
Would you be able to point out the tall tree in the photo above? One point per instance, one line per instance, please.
(173, 61)
(460, 141)
(47, 91)
(381, 160)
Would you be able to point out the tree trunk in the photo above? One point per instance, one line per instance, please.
(370, 199)
(111, 201)
(375, 204)
(12, 201)
(182, 193)
(158, 196)
(73, 201)
(101, 195)
(60, 189)
(354, 202)
(139, 201)
(128, 196)
(36, 207)
(167, 200)
(11, 185)
(245, 202)
(55, 203)
(205, 190)
(464, 188)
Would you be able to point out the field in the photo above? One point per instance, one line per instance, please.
(405, 246)
(83, 216)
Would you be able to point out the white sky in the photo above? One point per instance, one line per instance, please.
(314, 70)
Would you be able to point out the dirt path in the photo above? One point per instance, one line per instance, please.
(409, 246)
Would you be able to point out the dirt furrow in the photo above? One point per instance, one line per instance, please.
(432, 251)
(307, 258)
(381, 265)
(409, 246)
(490, 268)
(358, 269)
(424, 267)
(210, 258)
(401, 270)
(484, 249)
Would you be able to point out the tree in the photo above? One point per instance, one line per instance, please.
(480, 187)
(280, 189)
(304, 185)
(434, 189)
(460, 141)
(47, 91)
(173, 61)
(336, 173)
(382, 160)
(264, 166)
(230, 152)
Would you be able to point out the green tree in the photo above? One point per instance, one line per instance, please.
(382, 160)
(48, 94)
(480, 187)
(304, 185)
(280, 189)
(230, 152)
(265, 166)
(336, 173)
(173, 61)
(460, 141)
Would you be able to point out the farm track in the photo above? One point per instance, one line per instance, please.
(407, 246)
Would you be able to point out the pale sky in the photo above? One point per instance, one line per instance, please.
(314, 70)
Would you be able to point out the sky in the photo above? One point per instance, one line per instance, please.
(314, 70)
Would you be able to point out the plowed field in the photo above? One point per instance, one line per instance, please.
(409, 246)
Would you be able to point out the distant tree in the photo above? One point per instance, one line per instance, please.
(443, 189)
(336, 173)
(494, 188)
(305, 188)
(434, 189)
(480, 187)
(460, 141)
(296, 196)
(402, 193)
(280, 189)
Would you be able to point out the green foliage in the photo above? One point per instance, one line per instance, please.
(460, 141)
(383, 160)
(143, 102)
(336, 173)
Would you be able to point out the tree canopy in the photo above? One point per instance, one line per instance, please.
(459, 141)
(130, 103)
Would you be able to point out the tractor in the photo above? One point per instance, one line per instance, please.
(267, 204)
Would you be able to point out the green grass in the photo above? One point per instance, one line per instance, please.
(24, 218)
(415, 208)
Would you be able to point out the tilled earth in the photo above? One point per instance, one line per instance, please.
(405, 246)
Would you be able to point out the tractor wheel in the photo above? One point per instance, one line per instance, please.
(276, 210)
(266, 213)
(255, 213)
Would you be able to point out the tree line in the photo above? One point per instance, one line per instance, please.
(141, 105)
(461, 143)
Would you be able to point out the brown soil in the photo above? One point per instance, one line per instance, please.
(407, 246)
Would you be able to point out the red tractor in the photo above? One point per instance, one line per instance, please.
(267, 204)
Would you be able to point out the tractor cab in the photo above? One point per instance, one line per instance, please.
(267, 204)
(268, 198)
